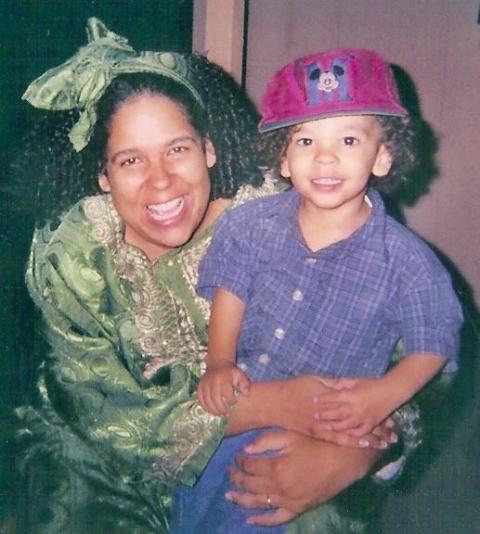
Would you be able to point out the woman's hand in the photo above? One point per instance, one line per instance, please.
(304, 474)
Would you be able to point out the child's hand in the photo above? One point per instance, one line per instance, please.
(216, 390)
(356, 406)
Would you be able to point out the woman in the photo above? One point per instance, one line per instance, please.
(114, 422)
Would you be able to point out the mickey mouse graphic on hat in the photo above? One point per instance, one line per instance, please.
(323, 81)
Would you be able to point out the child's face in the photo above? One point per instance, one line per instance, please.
(329, 161)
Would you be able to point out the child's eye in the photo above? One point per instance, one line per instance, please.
(350, 141)
(304, 141)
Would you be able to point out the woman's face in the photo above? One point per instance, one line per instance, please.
(157, 173)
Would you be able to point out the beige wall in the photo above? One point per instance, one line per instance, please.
(218, 32)
(438, 43)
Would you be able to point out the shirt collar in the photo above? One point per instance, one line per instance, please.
(370, 236)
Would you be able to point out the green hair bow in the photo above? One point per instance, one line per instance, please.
(80, 82)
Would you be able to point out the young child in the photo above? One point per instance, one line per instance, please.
(319, 279)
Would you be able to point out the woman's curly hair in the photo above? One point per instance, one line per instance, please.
(47, 176)
(50, 176)
(232, 128)
(399, 135)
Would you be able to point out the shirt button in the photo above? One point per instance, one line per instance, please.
(264, 358)
(311, 261)
(170, 263)
(279, 333)
(297, 295)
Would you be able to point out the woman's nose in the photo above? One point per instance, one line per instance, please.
(159, 175)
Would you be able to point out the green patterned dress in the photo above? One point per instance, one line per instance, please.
(114, 422)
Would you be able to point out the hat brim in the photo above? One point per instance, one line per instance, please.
(268, 126)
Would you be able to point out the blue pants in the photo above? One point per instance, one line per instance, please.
(203, 507)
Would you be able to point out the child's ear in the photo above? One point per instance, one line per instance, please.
(285, 167)
(104, 182)
(383, 162)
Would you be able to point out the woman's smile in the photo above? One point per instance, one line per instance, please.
(166, 212)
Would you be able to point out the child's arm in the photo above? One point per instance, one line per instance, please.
(216, 390)
(359, 405)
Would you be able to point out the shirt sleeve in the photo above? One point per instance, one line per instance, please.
(229, 262)
(430, 313)
(143, 432)
(431, 317)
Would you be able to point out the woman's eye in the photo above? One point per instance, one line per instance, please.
(178, 150)
(130, 161)
(350, 141)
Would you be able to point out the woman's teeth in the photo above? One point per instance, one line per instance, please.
(166, 210)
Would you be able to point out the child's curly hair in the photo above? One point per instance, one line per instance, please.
(399, 135)
(50, 176)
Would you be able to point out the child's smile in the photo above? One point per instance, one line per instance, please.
(327, 184)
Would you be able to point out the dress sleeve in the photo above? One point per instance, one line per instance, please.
(143, 432)
(229, 262)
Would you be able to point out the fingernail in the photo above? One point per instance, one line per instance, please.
(389, 423)
(364, 443)
(229, 497)
(383, 444)
(393, 438)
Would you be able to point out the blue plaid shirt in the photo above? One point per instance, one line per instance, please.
(336, 312)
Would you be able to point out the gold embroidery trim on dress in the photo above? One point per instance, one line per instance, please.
(166, 331)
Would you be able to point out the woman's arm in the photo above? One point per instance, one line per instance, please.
(291, 404)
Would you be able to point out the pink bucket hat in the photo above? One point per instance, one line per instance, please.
(347, 81)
